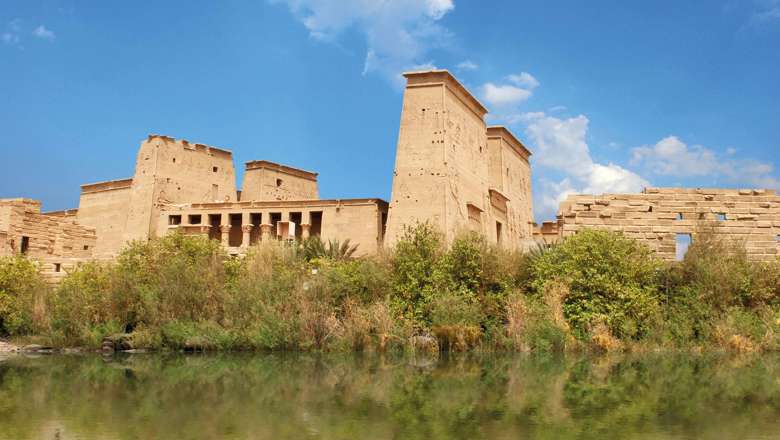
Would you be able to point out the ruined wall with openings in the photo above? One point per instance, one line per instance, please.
(57, 243)
(175, 171)
(444, 163)
(105, 206)
(265, 180)
(658, 216)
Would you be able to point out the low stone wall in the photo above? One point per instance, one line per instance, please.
(658, 215)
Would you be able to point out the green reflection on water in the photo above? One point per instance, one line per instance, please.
(279, 396)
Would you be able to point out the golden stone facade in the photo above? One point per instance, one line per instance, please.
(451, 169)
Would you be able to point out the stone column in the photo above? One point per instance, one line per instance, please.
(305, 228)
(246, 230)
(265, 231)
(225, 231)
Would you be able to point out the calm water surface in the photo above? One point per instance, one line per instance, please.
(276, 396)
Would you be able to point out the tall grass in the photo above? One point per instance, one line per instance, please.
(595, 291)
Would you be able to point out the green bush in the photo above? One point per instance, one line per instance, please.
(22, 295)
(608, 276)
(172, 278)
(364, 280)
(414, 261)
(82, 309)
(721, 273)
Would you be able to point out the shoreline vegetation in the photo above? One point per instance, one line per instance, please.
(597, 291)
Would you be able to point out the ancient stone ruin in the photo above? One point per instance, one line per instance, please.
(668, 218)
(451, 170)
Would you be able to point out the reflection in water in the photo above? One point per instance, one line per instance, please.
(279, 396)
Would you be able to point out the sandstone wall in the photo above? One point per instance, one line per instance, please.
(105, 206)
(658, 215)
(265, 180)
(5, 246)
(175, 171)
(56, 242)
(510, 174)
(449, 172)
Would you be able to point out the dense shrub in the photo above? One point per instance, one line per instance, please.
(82, 308)
(22, 292)
(610, 278)
(596, 290)
(172, 278)
(722, 275)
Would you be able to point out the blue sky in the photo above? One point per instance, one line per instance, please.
(609, 95)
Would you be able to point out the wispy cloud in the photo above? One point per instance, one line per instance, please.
(467, 65)
(42, 32)
(399, 34)
(11, 34)
(673, 157)
(768, 10)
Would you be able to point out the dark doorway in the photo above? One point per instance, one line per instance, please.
(296, 218)
(316, 224)
(256, 219)
(276, 217)
(236, 235)
(214, 222)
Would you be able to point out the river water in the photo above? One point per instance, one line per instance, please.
(294, 396)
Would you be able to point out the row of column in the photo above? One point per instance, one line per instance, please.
(265, 233)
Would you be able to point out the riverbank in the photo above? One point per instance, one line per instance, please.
(595, 292)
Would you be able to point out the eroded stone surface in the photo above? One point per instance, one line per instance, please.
(658, 215)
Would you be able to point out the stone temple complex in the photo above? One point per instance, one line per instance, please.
(451, 169)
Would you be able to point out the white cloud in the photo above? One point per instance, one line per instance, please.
(504, 96)
(467, 65)
(673, 157)
(42, 32)
(399, 34)
(524, 79)
(561, 146)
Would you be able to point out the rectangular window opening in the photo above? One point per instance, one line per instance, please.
(683, 243)
(57, 267)
(86, 247)
(679, 216)
(498, 232)
(383, 224)
(174, 220)
(194, 219)
(25, 245)
(214, 169)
